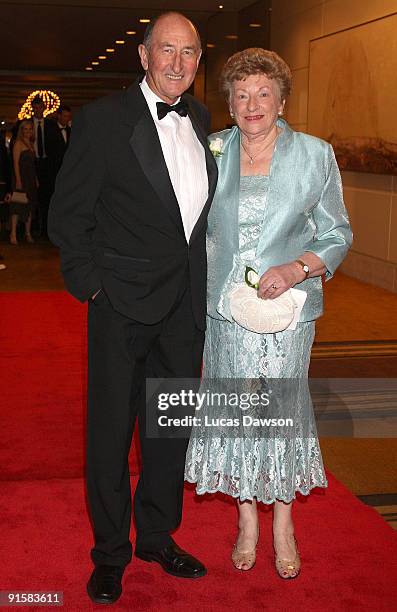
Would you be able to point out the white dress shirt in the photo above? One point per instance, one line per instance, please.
(185, 159)
(36, 123)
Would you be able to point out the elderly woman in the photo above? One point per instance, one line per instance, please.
(278, 209)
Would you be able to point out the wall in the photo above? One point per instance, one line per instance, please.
(371, 199)
(218, 49)
(228, 32)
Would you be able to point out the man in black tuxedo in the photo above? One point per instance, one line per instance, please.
(44, 132)
(60, 137)
(129, 214)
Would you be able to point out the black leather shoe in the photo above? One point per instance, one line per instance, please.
(104, 586)
(174, 561)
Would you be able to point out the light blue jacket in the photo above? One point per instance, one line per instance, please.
(304, 211)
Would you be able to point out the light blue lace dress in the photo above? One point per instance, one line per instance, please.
(252, 462)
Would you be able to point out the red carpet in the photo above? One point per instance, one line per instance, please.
(43, 373)
(348, 552)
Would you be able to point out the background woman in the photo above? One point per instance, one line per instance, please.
(279, 209)
(24, 179)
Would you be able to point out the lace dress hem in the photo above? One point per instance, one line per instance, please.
(286, 499)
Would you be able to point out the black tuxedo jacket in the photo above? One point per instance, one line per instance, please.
(56, 146)
(115, 216)
(48, 134)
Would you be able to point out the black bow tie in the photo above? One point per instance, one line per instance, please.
(163, 109)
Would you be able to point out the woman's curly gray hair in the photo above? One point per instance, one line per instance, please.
(256, 61)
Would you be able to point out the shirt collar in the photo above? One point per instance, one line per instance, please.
(152, 98)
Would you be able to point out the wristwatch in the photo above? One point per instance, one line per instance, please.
(304, 266)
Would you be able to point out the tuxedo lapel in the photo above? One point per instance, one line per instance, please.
(212, 171)
(145, 143)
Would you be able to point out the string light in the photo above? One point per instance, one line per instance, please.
(144, 20)
(50, 100)
(117, 42)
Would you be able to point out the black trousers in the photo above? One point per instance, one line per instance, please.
(121, 354)
(46, 182)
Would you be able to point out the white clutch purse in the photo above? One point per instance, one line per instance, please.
(19, 197)
(257, 315)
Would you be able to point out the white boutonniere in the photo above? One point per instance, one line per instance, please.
(216, 147)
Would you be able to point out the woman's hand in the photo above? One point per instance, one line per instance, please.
(278, 279)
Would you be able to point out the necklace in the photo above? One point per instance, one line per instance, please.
(251, 157)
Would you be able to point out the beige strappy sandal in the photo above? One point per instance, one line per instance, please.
(244, 560)
(285, 566)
